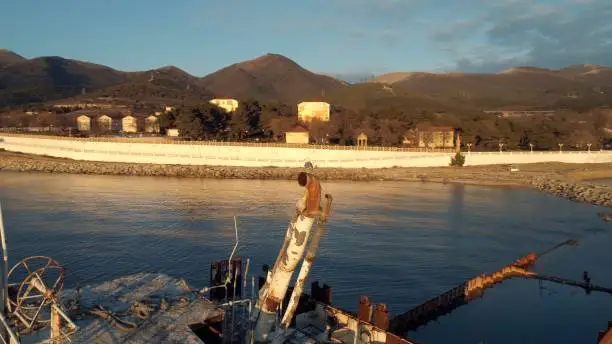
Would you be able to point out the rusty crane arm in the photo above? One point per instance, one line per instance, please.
(291, 252)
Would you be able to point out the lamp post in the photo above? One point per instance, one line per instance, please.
(531, 147)
(560, 147)
(501, 145)
(589, 147)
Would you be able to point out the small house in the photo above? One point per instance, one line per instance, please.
(435, 137)
(105, 123)
(129, 124)
(297, 135)
(83, 123)
(172, 132)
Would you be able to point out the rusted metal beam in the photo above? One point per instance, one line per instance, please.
(364, 311)
(56, 326)
(458, 296)
(311, 253)
(605, 336)
(293, 248)
(381, 316)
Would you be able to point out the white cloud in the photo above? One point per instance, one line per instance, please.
(520, 32)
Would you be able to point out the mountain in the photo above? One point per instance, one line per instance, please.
(271, 77)
(159, 86)
(48, 78)
(8, 57)
(525, 86)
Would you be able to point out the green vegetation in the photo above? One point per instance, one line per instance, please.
(457, 160)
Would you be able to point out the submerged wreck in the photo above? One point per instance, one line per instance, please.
(156, 308)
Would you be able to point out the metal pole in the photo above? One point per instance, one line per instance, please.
(6, 328)
(4, 304)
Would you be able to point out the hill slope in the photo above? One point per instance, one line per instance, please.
(526, 86)
(8, 57)
(164, 85)
(269, 77)
(48, 78)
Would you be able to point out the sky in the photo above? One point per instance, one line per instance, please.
(339, 37)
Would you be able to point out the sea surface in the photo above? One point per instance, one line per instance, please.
(398, 243)
(603, 181)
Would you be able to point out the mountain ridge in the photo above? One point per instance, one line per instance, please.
(273, 77)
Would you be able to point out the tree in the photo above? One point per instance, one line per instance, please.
(319, 130)
(166, 121)
(279, 125)
(215, 120)
(391, 132)
(238, 125)
(190, 125)
(457, 160)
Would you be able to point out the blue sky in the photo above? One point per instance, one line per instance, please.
(325, 36)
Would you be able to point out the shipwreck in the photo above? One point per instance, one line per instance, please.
(155, 308)
(236, 306)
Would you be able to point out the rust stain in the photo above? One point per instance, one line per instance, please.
(313, 201)
(284, 258)
(270, 305)
(300, 237)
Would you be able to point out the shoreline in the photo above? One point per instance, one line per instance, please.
(570, 181)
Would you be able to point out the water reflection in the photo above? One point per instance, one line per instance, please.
(399, 243)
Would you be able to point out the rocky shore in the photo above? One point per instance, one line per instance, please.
(595, 194)
(563, 180)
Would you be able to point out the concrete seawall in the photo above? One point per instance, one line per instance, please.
(207, 154)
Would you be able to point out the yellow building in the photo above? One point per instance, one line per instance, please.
(83, 123)
(172, 132)
(129, 124)
(151, 124)
(307, 111)
(297, 135)
(434, 137)
(105, 123)
(227, 104)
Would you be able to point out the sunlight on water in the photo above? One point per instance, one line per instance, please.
(399, 243)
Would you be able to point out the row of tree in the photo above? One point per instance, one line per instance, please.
(483, 131)
(384, 126)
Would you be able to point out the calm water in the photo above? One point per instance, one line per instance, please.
(603, 181)
(399, 243)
